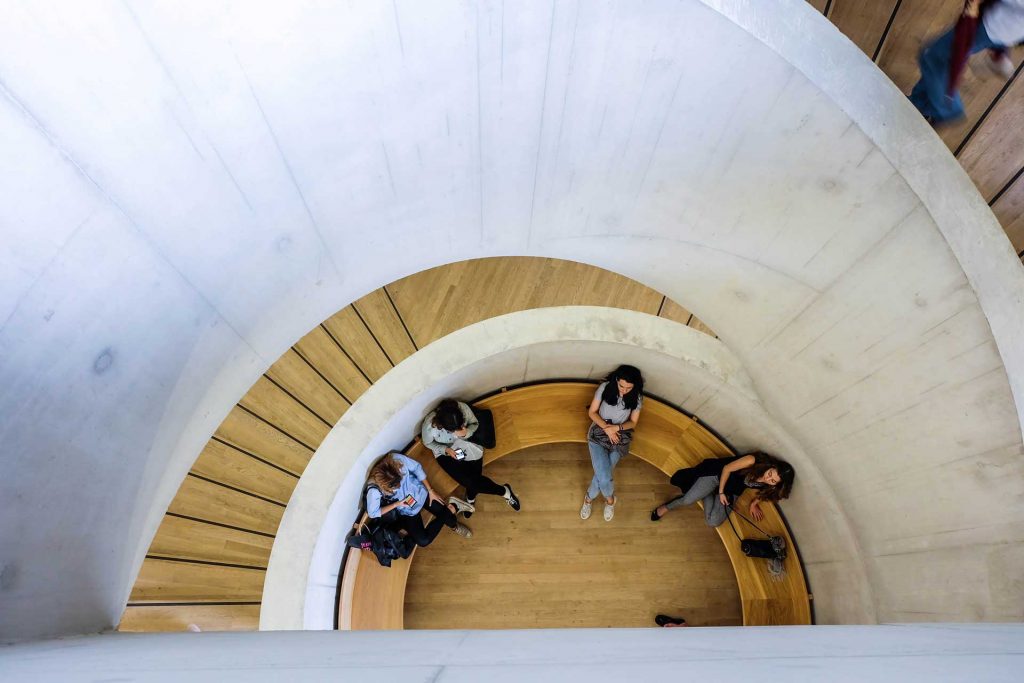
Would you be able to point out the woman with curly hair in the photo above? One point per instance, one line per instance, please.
(718, 482)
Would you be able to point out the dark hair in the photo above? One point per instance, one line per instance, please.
(386, 473)
(764, 462)
(611, 391)
(448, 416)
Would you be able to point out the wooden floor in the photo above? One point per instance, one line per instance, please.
(544, 567)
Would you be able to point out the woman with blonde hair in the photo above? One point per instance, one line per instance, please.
(397, 490)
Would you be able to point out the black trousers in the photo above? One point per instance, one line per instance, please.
(470, 473)
(425, 535)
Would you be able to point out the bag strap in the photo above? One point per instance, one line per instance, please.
(730, 508)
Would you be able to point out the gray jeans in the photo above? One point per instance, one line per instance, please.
(704, 489)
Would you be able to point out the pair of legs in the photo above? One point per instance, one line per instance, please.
(929, 94)
(604, 462)
(444, 516)
(470, 473)
(705, 489)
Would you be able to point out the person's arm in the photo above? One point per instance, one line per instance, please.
(416, 470)
(634, 417)
(972, 8)
(738, 464)
(373, 506)
(594, 412)
(755, 509)
(472, 423)
(427, 437)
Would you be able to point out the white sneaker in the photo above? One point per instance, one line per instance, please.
(461, 505)
(609, 511)
(586, 509)
(463, 530)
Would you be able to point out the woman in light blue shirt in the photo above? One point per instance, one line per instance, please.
(396, 493)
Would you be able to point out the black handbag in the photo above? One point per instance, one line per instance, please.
(771, 548)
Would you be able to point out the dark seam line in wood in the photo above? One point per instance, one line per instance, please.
(661, 306)
(271, 424)
(167, 558)
(235, 488)
(337, 342)
(190, 604)
(254, 456)
(297, 400)
(400, 318)
(220, 524)
(885, 33)
(321, 375)
(372, 335)
(689, 320)
(988, 110)
(828, 8)
(1006, 186)
(344, 353)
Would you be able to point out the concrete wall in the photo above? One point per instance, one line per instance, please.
(189, 187)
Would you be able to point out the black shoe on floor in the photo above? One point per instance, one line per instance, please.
(511, 499)
(665, 620)
(655, 517)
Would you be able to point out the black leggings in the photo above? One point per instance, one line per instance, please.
(470, 473)
(425, 535)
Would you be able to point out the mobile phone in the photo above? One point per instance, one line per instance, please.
(460, 454)
(409, 500)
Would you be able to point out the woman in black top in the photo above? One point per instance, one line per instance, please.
(718, 482)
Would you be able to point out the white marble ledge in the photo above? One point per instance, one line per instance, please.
(933, 652)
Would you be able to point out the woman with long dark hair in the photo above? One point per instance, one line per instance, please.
(613, 413)
(447, 431)
(718, 482)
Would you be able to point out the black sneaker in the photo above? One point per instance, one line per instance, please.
(511, 499)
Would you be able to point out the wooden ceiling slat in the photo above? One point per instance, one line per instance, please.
(995, 153)
(863, 22)
(1009, 209)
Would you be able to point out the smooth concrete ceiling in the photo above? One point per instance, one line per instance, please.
(189, 187)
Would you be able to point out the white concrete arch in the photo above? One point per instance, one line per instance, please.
(190, 187)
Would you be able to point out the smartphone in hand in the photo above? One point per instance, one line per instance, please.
(409, 500)
(460, 454)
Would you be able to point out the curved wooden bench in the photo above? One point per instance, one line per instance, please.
(373, 597)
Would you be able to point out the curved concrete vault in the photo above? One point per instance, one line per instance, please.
(179, 212)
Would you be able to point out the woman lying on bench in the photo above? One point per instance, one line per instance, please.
(396, 492)
(718, 482)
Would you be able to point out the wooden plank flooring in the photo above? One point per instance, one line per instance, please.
(544, 567)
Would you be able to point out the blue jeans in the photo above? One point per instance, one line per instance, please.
(604, 462)
(929, 94)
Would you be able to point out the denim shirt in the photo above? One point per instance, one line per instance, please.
(412, 484)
